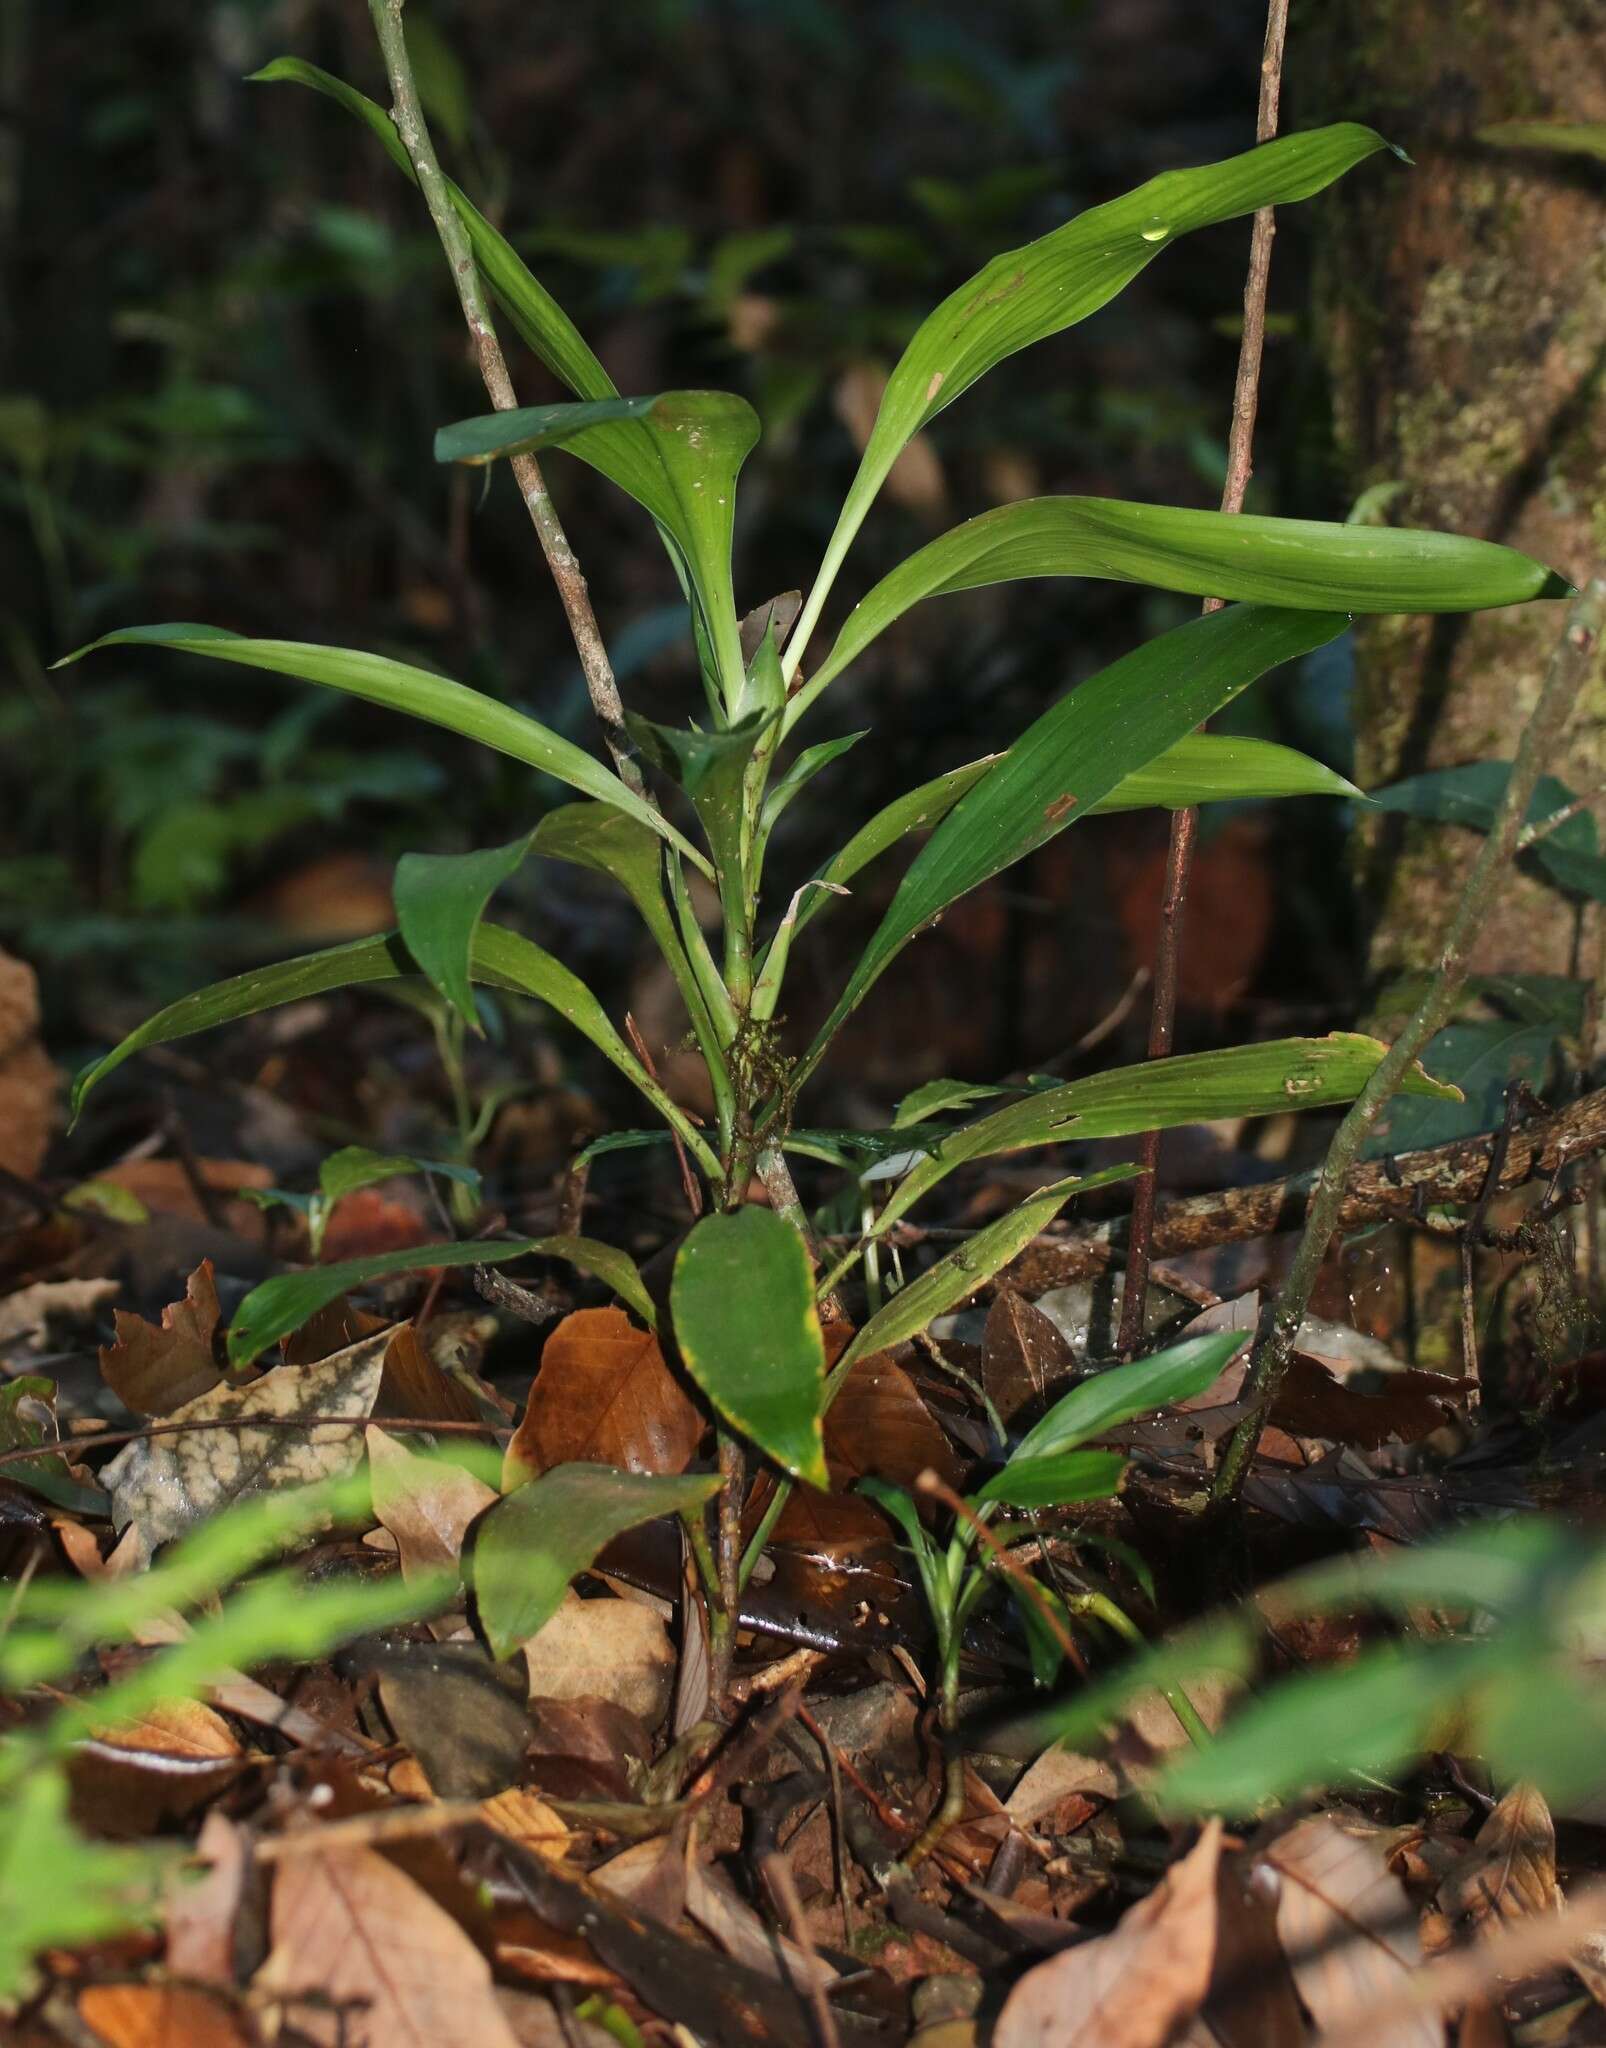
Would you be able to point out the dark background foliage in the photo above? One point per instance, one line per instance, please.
(227, 343)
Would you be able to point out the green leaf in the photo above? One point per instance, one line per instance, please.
(711, 768)
(540, 320)
(1059, 1480)
(1240, 1080)
(1027, 294)
(914, 1307)
(1214, 767)
(933, 1096)
(1483, 1060)
(1122, 1392)
(677, 454)
(433, 699)
(530, 1546)
(742, 1298)
(1563, 138)
(277, 1308)
(1074, 756)
(1471, 795)
(1299, 564)
(1373, 1716)
(604, 1262)
(802, 771)
(440, 899)
(356, 1166)
(47, 1474)
(502, 959)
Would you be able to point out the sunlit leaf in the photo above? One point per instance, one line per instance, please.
(1223, 767)
(1056, 1480)
(748, 1332)
(1027, 294)
(677, 454)
(1298, 564)
(440, 899)
(529, 1547)
(1106, 1399)
(1075, 755)
(434, 699)
(1241, 1080)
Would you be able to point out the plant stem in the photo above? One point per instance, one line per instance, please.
(408, 114)
(1572, 667)
(951, 1805)
(1185, 824)
(722, 1613)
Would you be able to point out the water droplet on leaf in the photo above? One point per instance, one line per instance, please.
(1155, 230)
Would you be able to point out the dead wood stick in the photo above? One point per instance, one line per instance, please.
(1378, 1191)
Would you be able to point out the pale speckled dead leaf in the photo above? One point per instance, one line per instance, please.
(425, 1503)
(48, 1310)
(614, 1650)
(1347, 1928)
(155, 1371)
(166, 1484)
(1511, 1873)
(349, 1930)
(1133, 1987)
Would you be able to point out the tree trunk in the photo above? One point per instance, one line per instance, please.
(1463, 319)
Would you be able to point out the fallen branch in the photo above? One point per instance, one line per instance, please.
(1396, 1189)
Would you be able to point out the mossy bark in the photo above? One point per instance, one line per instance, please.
(1462, 316)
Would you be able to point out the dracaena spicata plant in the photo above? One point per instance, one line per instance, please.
(745, 1291)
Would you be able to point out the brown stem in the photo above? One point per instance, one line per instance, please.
(1185, 824)
(408, 115)
(1572, 667)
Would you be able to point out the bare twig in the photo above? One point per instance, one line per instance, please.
(408, 115)
(1185, 824)
(778, 1877)
(1574, 664)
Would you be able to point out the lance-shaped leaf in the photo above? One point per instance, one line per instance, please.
(540, 320)
(1212, 767)
(1301, 564)
(1107, 1399)
(711, 767)
(501, 959)
(742, 1298)
(677, 454)
(592, 836)
(1074, 756)
(1027, 294)
(1060, 1481)
(277, 1308)
(1201, 1087)
(914, 1307)
(440, 900)
(436, 700)
(529, 1547)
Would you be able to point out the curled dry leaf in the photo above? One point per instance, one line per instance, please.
(616, 1650)
(414, 1383)
(154, 1371)
(1133, 1987)
(425, 1503)
(165, 1485)
(158, 2016)
(362, 1957)
(603, 1396)
(1511, 1873)
(1347, 1929)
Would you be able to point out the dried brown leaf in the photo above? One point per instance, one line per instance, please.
(153, 1371)
(158, 2016)
(603, 1396)
(414, 1384)
(1025, 1357)
(166, 1484)
(1512, 1870)
(614, 1650)
(425, 1503)
(1132, 1987)
(879, 1427)
(1347, 1928)
(528, 1820)
(202, 1914)
(368, 1960)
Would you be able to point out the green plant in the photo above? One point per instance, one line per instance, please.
(59, 1886)
(1492, 1630)
(745, 1294)
(355, 1167)
(1048, 1468)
